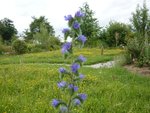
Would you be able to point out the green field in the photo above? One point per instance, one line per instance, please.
(93, 56)
(30, 88)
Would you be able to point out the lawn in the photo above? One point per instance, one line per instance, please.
(29, 88)
(28, 83)
(93, 56)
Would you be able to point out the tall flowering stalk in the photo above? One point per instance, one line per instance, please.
(73, 76)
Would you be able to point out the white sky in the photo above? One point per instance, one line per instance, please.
(21, 11)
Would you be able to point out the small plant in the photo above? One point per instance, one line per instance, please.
(69, 78)
(19, 46)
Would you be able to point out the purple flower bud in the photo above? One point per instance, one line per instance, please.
(77, 102)
(81, 76)
(81, 58)
(79, 14)
(82, 96)
(76, 25)
(65, 30)
(63, 109)
(68, 17)
(66, 47)
(75, 67)
(82, 38)
(74, 88)
(55, 103)
(62, 84)
(62, 70)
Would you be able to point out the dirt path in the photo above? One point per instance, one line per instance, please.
(108, 64)
(145, 71)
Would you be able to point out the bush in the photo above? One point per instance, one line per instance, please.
(128, 59)
(1, 45)
(144, 59)
(53, 43)
(134, 48)
(1, 50)
(5, 49)
(19, 46)
(35, 48)
(138, 53)
(44, 40)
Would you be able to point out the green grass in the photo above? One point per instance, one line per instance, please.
(93, 56)
(29, 88)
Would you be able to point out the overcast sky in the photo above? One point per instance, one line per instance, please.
(21, 11)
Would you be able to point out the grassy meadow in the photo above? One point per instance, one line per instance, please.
(93, 56)
(29, 87)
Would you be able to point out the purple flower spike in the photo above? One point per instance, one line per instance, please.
(75, 67)
(82, 38)
(81, 58)
(55, 103)
(81, 76)
(65, 30)
(76, 25)
(79, 14)
(82, 96)
(71, 86)
(66, 47)
(68, 17)
(62, 84)
(77, 102)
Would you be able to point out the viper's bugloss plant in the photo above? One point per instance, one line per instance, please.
(69, 85)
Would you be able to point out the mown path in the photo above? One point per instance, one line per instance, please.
(108, 64)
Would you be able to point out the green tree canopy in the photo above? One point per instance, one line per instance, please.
(45, 40)
(140, 22)
(7, 29)
(116, 33)
(90, 27)
(35, 27)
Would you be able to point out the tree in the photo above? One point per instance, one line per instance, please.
(45, 40)
(117, 33)
(139, 47)
(35, 27)
(7, 29)
(90, 27)
(140, 21)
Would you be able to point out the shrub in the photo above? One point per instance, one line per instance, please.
(147, 55)
(5, 49)
(1, 50)
(44, 40)
(133, 47)
(19, 46)
(36, 48)
(139, 46)
(1, 45)
(138, 53)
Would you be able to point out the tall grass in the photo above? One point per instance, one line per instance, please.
(29, 88)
